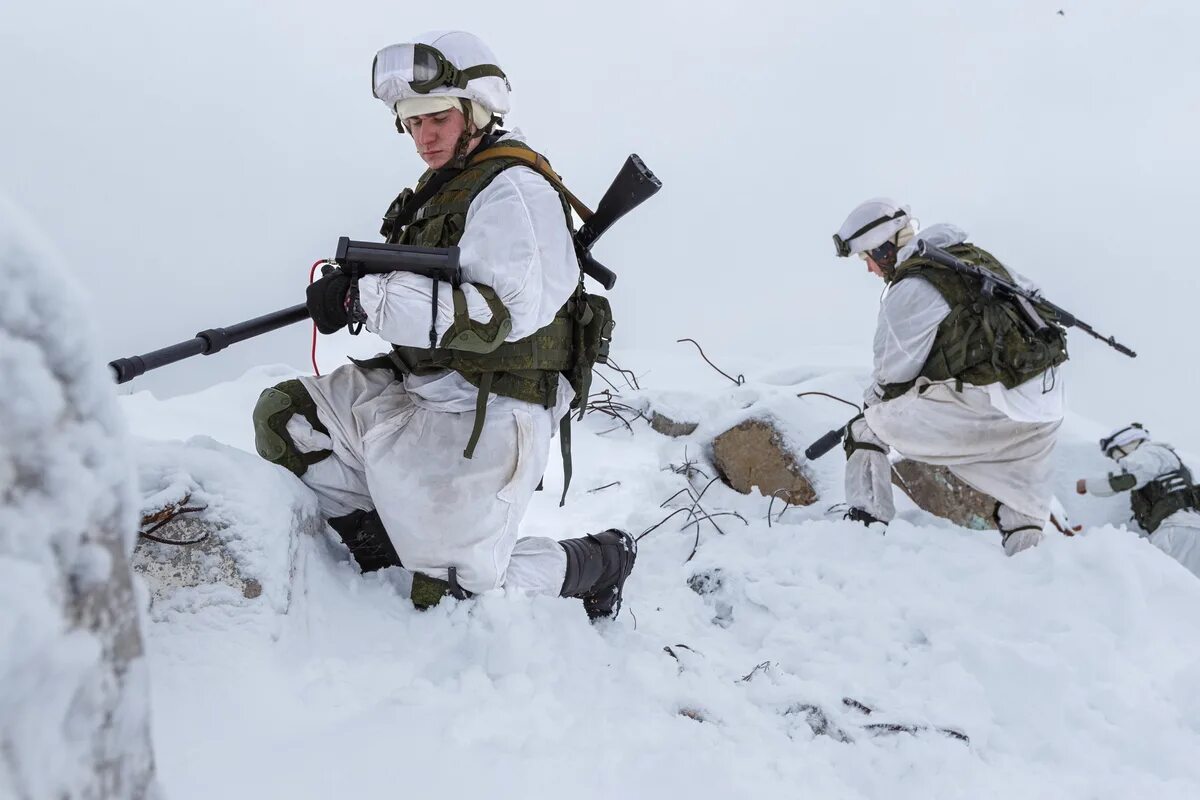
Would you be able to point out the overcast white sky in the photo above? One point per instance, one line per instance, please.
(193, 159)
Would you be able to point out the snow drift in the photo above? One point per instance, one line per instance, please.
(782, 657)
(73, 686)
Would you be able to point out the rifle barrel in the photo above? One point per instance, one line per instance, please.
(1061, 315)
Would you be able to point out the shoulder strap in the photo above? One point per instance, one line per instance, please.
(539, 164)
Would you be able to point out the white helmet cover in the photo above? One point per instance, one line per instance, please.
(393, 69)
(872, 223)
(1124, 437)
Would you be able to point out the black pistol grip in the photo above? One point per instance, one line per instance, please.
(597, 271)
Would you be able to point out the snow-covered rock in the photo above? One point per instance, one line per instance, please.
(73, 677)
(249, 517)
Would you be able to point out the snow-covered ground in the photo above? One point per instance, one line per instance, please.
(1073, 669)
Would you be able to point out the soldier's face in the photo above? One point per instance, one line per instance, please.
(436, 136)
(872, 267)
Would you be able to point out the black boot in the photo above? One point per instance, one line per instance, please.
(597, 566)
(364, 534)
(858, 515)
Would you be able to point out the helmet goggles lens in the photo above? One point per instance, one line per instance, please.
(1118, 439)
(842, 246)
(401, 69)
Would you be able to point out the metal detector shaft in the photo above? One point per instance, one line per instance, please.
(355, 258)
(206, 343)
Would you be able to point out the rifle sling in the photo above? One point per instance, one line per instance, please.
(539, 165)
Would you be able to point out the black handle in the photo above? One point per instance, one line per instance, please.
(597, 271)
(823, 445)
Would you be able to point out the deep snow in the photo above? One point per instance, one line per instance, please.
(1074, 669)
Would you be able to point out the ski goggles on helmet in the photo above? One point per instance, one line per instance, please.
(421, 68)
(843, 245)
(1119, 439)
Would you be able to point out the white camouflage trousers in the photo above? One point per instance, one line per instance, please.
(439, 508)
(936, 424)
(1179, 537)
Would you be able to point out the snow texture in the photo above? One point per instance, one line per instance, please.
(796, 656)
(73, 685)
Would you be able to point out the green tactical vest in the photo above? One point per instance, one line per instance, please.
(1163, 496)
(981, 341)
(526, 369)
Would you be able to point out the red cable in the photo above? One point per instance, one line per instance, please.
(311, 273)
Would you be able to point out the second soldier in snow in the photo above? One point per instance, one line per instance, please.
(959, 380)
(1165, 499)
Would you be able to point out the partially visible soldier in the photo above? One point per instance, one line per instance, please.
(428, 456)
(1165, 500)
(959, 380)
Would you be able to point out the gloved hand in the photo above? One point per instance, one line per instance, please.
(327, 298)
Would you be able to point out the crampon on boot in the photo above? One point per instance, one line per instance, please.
(364, 534)
(597, 566)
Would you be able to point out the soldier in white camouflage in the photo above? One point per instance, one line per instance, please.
(428, 455)
(1164, 499)
(958, 379)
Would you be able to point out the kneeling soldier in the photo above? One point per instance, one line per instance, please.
(960, 379)
(382, 442)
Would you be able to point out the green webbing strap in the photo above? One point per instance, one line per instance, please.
(853, 444)
(893, 390)
(385, 361)
(479, 71)
(564, 440)
(481, 403)
(471, 336)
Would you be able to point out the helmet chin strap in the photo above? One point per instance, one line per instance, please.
(463, 148)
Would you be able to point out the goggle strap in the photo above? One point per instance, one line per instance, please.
(469, 74)
(873, 224)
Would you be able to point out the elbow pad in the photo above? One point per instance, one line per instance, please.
(1121, 483)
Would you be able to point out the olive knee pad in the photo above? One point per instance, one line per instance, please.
(274, 408)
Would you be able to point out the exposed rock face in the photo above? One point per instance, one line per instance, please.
(208, 558)
(754, 454)
(229, 524)
(936, 490)
(74, 719)
(669, 427)
(168, 567)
